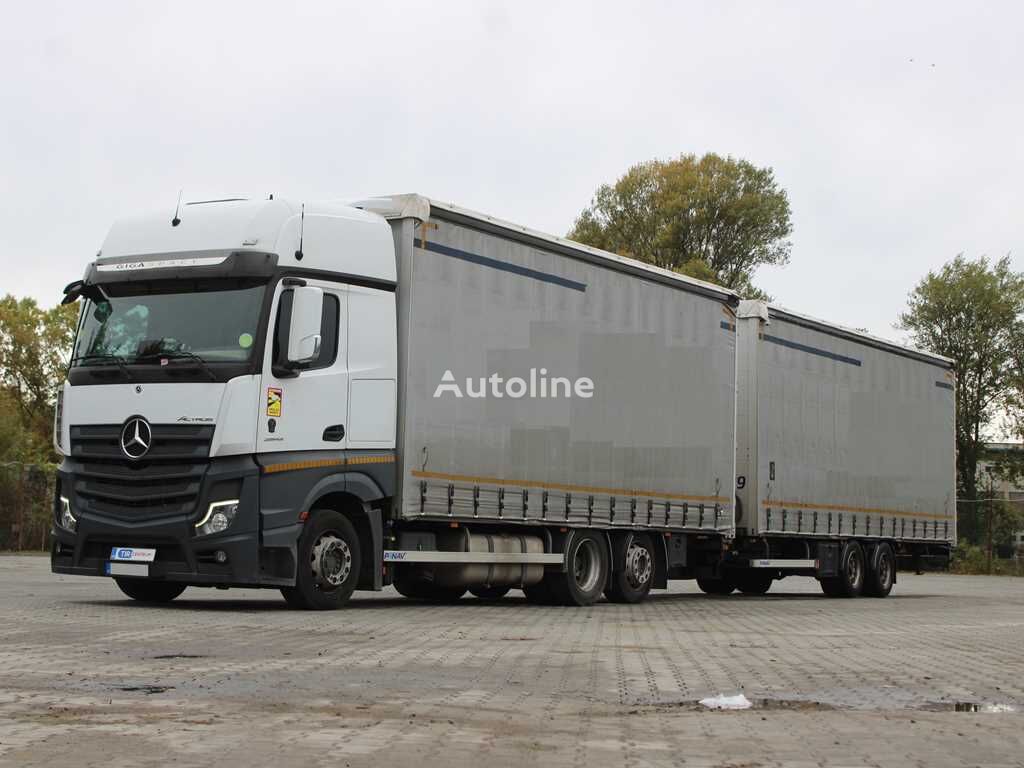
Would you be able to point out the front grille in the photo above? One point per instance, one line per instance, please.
(165, 482)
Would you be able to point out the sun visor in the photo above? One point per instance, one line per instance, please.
(182, 265)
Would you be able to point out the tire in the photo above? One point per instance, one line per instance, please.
(754, 583)
(329, 559)
(721, 587)
(586, 571)
(150, 591)
(634, 577)
(414, 586)
(489, 593)
(850, 580)
(881, 575)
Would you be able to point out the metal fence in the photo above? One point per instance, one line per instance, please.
(26, 505)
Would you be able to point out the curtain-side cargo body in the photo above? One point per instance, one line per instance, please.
(841, 435)
(647, 442)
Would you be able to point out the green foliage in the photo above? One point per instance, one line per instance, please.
(34, 349)
(711, 217)
(970, 559)
(971, 312)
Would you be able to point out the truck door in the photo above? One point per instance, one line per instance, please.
(307, 411)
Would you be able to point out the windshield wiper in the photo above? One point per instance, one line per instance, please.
(104, 358)
(179, 354)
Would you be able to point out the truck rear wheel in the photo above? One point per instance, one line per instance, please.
(150, 591)
(631, 582)
(329, 561)
(849, 582)
(586, 570)
(720, 586)
(882, 573)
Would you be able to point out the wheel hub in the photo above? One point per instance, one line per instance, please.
(638, 565)
(853, 570)
(585, 566)
(884, 570)
(331, 560)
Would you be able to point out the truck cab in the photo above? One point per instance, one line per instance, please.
(222, 354)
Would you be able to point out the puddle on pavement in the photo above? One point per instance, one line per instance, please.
(756, 705)
(769, 704)
(178, 656)
(970, 706)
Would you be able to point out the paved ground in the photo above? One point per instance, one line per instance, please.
(233, 678)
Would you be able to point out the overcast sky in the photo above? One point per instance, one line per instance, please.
(897, 129)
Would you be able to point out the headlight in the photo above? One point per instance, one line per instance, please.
(218, 518)
(66, 520)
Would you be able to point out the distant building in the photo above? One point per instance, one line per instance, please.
(1008, 490)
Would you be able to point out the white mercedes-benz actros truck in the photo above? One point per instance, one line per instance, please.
(320, 398)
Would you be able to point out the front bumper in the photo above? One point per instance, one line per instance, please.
(181, 555)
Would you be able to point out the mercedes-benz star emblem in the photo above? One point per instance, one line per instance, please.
(136, 437)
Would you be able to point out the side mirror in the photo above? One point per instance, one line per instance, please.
(304, 328)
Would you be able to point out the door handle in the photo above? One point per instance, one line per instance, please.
(334, 433)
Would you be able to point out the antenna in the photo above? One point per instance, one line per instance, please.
(302, 226)
(176, 221)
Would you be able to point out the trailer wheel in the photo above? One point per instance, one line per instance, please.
(329, 560)
(850, 581)
(150, 591)
(721, 586)
(754, 583)
(586, 573)
(489, 593)
(633, 580)
(882, 574)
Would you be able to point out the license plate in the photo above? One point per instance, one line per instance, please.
(127, 569)
(132, 555)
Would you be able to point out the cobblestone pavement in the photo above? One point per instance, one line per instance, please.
(233, 678)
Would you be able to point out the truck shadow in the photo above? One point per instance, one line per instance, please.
(389, 602)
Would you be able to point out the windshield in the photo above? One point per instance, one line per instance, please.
(215, 324)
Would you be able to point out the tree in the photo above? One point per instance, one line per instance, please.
(1015, 407)
(715, 218)
(34, 349)
(970, 311)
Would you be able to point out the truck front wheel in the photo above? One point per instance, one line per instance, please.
(329, 560)
(150, 591)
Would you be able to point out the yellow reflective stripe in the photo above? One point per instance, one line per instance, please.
(371, 460)
(844, 508)
(290, 466)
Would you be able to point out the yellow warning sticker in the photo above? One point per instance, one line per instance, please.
(273, 401)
